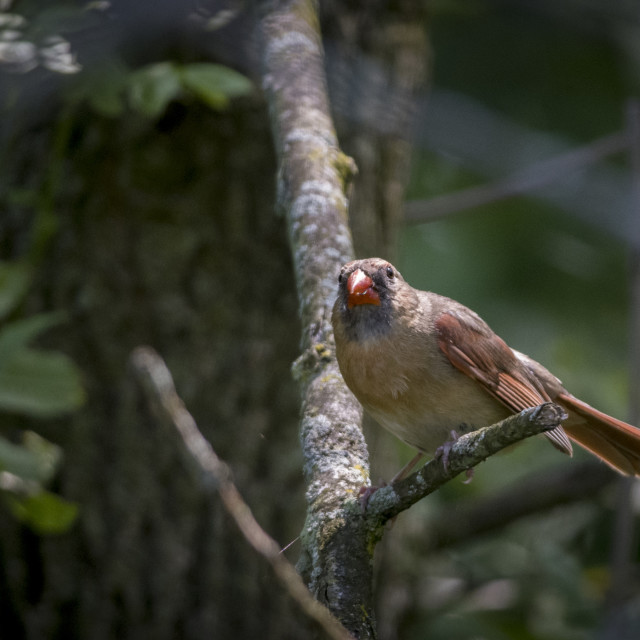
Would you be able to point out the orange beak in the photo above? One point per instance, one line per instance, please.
(361, 290)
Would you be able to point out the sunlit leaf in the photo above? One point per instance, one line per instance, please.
(36, 459)
(44, 512)
(39, 383)
(214, 84)
(151, 88)
(47, 453)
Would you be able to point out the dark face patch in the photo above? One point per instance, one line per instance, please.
(362, 322)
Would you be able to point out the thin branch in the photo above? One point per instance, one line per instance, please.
(465, 453)
(160, 392)
(526, 181)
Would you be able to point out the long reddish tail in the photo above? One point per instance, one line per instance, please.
(614, 441)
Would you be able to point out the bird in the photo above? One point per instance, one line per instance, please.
(424, 366)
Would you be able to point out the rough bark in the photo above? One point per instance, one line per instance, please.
(312, 177)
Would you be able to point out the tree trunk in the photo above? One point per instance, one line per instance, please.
(172, 241)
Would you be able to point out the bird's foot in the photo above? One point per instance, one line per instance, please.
(364, 495)
(443, 451)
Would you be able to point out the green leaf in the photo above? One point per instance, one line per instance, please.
(48, 455)
(106, 100)
(40, 383)
(102, 87)
(44, 512)
(17, 335)
(214, 84)
(151, 88)
(18, 460)
(15, 279)
(29, 466)
(36, 460)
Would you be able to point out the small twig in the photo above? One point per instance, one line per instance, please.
(467, 452)
(160, 391)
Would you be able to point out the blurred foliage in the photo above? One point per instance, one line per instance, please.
(149, 89)
(47, 384)
(35, 383)
(550, 72)
(25, 469)
(551, 285)
(32, 36)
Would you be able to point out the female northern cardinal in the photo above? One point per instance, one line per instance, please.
(424, 365)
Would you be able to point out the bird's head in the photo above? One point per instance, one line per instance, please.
(370, 293)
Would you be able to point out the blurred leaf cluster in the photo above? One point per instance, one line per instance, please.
(38, 384)
(149, 89)
(45, 35)
(36, 38)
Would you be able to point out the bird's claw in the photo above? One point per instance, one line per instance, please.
(364, 495)
(443, 451)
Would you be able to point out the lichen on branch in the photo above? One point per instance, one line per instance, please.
(313, 180)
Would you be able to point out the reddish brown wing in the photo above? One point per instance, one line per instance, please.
(485, 357)
(479, 353)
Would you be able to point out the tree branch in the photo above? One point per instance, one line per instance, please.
(157, 384)
(467, 452)
(313, 178)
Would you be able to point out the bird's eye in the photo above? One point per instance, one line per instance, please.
(340, 278)
(390, 273)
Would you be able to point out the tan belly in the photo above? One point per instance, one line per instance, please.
(416, 394)
(423, 410)
(427, 421)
